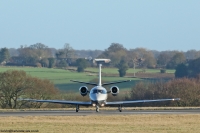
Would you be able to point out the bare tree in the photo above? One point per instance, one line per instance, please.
(146, 55)
(17, 84)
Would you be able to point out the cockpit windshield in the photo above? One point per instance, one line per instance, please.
(99, 91)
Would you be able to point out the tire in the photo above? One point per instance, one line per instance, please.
(97, 109)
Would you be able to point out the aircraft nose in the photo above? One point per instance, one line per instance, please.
(101, 97)
(98, 97)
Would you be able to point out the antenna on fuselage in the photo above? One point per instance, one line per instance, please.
(100, 62)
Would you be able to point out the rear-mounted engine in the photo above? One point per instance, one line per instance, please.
(114, 90)
(83, 90)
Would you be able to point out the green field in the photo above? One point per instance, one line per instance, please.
(130, 70)
(61, 78)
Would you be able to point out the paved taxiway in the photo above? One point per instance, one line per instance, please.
(102, 112)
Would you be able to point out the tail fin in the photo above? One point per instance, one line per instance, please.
(100, 62)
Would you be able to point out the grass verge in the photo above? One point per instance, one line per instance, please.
(99, 124)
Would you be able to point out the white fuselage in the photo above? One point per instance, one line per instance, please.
(98, 95)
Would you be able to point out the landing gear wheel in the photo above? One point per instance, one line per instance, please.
(77, 108)
(120, 108)
(97, 108)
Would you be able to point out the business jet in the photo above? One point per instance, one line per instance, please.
(98, 94)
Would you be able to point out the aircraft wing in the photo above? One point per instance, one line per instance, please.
(139, 101)
(58, 101)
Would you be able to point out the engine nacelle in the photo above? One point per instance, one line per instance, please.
(114, 90)
(83, 90)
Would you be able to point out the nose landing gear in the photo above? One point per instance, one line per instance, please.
(97, 108)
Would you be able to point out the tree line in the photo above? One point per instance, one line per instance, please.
(41, 55)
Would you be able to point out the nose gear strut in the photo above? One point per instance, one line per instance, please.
(97, 108)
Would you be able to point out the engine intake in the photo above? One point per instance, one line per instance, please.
(114, 90)
(83, 90)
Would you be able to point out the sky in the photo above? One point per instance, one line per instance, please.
(95, 24)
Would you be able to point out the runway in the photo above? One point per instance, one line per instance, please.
(93, 112)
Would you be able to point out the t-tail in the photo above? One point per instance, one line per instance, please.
(99, 63)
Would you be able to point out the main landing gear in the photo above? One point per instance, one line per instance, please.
(77, 108)
(120, 108)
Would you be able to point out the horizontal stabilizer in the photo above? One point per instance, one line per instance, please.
(84, 82)
(102, 84)
(116, 82)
